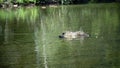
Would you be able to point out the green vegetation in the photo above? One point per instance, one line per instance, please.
(49, 2)
(21, 13)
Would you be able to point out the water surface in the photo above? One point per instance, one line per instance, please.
(29, 37)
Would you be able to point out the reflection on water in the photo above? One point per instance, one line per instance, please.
(29, 37)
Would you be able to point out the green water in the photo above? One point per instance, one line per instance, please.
(29, 37)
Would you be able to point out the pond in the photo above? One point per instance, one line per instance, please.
(29, 37)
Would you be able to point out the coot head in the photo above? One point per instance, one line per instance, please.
(61, 36)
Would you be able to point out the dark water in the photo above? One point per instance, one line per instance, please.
(29, 37)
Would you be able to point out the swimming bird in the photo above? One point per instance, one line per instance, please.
(69, 35)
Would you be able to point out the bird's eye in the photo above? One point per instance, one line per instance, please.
(63, 33)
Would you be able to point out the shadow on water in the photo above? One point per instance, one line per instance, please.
(16, 38)
(116, 48)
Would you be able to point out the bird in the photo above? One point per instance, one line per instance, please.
(70, 35)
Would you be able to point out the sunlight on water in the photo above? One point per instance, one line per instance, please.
(37, 47)
(6, 31)
(44, 44)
